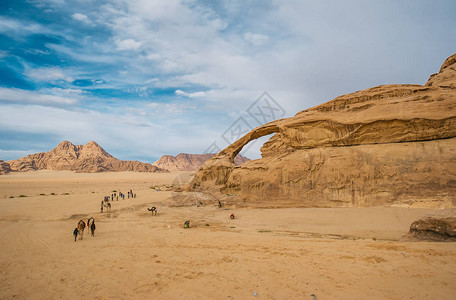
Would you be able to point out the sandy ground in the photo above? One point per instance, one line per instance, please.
(292, 253)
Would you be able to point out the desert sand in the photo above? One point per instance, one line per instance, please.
(288, 253)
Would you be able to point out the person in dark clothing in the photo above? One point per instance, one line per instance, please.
(92, 228)
(75, 233)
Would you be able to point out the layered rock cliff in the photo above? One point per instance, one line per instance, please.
(391, 144)
(88, 158)
(189, 162)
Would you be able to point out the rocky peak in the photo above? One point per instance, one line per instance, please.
(446, 78)
(64, 145)
(93, 149)
(92, 144)
(448, 62)
(66, 149)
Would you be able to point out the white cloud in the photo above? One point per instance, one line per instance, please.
(153, 56)
(152, 80)
(82, 18)
(197, 94)
(128, 44)
(13, 95)
(174, 108)
(18, 29)
(64, 92)
(48, 74)
(255, 39)
(190, 95)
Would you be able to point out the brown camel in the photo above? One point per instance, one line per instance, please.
(81, 227)
(91, 221)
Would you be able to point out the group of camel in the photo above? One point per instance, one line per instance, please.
(106, 203)
(82, 225)
(79, 230)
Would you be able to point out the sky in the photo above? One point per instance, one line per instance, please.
(144, 78)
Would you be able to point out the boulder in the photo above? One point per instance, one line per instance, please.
(4, 167)
(438, 227)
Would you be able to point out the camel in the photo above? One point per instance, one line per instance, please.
(105, 203)
(153, 210)
(81, 227)
(91, 222)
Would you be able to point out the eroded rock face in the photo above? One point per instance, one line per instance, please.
(440, 227)
(391, 144)
(189, 162)
(4, 167)
(88, 158)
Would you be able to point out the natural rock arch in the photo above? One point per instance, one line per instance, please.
(386, 144)
(219, 167)
(234, 149)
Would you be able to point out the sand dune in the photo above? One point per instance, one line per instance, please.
(289, 253)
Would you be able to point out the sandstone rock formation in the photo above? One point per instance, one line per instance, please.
(189, 162)
(391, 144)
(438, 227)
(4, 167)
(88, 158)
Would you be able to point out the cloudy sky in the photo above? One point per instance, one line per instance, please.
(145, 78)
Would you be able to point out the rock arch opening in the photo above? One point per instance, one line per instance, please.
(252, 149)
(235, 148)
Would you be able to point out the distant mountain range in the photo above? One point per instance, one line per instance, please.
(89, 158)
(189, 162)
(92, 158)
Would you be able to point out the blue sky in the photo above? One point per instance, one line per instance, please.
(145, 78)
